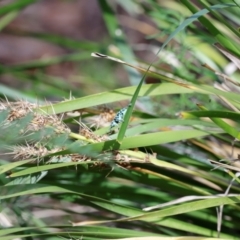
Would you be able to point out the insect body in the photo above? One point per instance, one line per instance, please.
(119, 118)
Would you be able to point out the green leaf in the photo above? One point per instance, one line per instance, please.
(7, 167)
(211, 114)
(225, 126)
(185, 207)
(111, 96)
(17, 5)
(225, 41)
(4, 21)
(47, 167)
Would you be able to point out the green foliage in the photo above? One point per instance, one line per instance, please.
(152, 178)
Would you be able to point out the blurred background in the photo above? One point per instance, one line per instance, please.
(50, 30)
(46, 46)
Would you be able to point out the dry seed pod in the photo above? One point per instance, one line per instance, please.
(103, 116)
(89, 134)
(38, 134)
(17, 109)
(28, 151)
(32, 151)
(20, 109)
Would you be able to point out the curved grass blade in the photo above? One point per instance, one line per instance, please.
(156, 124)
(200, 88)
(225, 126)
(186, 207)
(225, 41)
(47, 167)
(4, 21)
(211, 114)
(111, 96)
(143, 140)
(13, 191)
(221, 19)
(7, 167)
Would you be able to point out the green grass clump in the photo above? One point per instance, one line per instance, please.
(171, 159)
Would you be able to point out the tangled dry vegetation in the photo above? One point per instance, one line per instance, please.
(37, 135)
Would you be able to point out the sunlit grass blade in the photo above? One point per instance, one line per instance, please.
(80, 231)
(187, 207)
(225, 126)
(226, 42)
(197, 15)
(220, 18)
(200, 88)
(211, 114)
(140, 141)
(47, 167)
(113, 96)
(7, 167)
(4, 21)
(168, 124)
(124, 126)
(17, 5)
